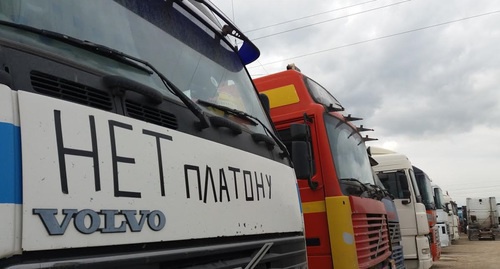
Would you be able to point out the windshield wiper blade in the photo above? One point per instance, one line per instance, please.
(254, 120)
(238, 113)
(123, 57)
(83, 44)
(362, 185)
(369, 190)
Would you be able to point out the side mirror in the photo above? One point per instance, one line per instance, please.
(301, 159)
(264, 100)
(303, 163)
(302, 153)
(299, 132)
(406, 197)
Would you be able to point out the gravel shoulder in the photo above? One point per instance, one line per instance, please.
(465, 254)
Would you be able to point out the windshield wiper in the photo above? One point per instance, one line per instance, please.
(380, 193)
(83, 44)
(365, 190)
(369, 190)
(355, 180)
(121, 57)
(238, 113)
(254, 120)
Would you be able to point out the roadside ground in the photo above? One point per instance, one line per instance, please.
(465, 254)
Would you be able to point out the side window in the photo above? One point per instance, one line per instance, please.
(395, 183)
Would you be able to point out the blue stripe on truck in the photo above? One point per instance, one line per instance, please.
(10, 164)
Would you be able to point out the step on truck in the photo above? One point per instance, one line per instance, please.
(424, 184)
(482, 218)
(131, 136)
(346, 223)
(396, 173)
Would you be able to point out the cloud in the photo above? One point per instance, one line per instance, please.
(424, 74)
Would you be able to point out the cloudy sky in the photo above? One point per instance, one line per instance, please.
(425, 74)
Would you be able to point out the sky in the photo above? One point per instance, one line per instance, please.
(424, 74)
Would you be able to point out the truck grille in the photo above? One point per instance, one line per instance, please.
(398, 257)
(150, 114)
(280, 253)
(397, 249)
(394, 232)
(70, 91)
(372, 239)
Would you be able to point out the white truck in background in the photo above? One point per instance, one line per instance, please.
(442, 216)
(395, 171)
(452, 217)
(482, 218)
(498, 211)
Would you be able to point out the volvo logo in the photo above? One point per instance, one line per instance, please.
(88, 221)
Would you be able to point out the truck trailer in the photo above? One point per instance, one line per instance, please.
(131, 136)
(482, 218)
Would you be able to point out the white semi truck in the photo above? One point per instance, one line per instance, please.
(131, 136)
(442, 218)
(482, 218)
(396, 173)
(453, 219)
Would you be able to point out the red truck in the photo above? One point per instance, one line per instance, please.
(346, 225)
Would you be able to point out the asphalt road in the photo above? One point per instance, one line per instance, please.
(465, 254)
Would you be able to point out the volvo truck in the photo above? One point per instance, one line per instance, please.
(131, 136)
(346, 223)
(396, 173)
(424, 184)
(482, 218)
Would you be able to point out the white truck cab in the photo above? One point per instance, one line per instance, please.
(396, 173)
(442, 216)
(132, 136)
(453, 221)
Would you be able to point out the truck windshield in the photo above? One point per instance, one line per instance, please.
(349, 152)
(322, 95)
(198, 60)
(425, 188)
(396, 183)
(439, 198)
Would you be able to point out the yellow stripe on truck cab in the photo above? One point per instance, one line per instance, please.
(343, 245)
(313, 207)
(282, 96)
